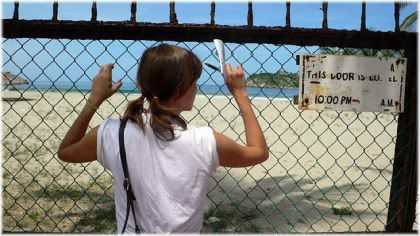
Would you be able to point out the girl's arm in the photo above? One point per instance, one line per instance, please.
(230, 153)
(77, 146)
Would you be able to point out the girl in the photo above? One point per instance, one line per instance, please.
(169, 162)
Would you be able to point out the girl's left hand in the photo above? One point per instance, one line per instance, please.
(102, 87)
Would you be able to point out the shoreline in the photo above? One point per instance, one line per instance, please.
(270, 87)
(8, 98)
(136, 93)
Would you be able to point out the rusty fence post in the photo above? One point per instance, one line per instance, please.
(16, 11)
(363, 17)
(172, 14)
(397, 16)
(212, 12)
(55, 10)
(94, 11)
(325, 15)
(288, 14)
(133, 11)
(402, 201)
(250, 17)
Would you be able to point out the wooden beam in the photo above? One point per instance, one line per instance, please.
(205, 33)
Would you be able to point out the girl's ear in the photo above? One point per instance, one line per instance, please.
(179, 95)
(175, 98)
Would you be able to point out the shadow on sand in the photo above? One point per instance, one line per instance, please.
(286, 204)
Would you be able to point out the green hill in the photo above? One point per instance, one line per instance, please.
(274, 80)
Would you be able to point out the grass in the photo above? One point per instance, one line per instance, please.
(342, 211)
(225, 219)
(101, 219)
(34, 215)
(56, 204)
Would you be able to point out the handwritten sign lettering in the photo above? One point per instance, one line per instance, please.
(351, 83)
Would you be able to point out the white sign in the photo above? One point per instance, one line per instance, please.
(351, 83)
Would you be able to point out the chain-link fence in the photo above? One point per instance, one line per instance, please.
(327, 171)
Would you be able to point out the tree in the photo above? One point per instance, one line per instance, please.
(409, 23)
(274, 80)
(358, 52)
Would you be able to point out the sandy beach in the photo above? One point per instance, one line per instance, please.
(319, 162)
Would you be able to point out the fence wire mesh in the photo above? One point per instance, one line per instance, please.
(327, 171)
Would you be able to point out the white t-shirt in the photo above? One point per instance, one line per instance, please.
(169, 179)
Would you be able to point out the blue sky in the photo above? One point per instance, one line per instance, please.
(379, 16)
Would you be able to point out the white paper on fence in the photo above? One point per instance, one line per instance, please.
(220, 48)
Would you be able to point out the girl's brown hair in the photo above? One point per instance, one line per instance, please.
(165, 72)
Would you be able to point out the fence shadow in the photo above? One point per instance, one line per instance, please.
(283, 204)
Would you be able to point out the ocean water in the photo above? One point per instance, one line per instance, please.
(129, 87)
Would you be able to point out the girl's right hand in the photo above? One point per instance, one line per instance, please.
(102, 87)
(235, 80)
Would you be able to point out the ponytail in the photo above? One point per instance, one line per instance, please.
(162, 120)
(135, 110)
(162, 117)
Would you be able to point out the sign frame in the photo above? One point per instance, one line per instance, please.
(351, 83)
